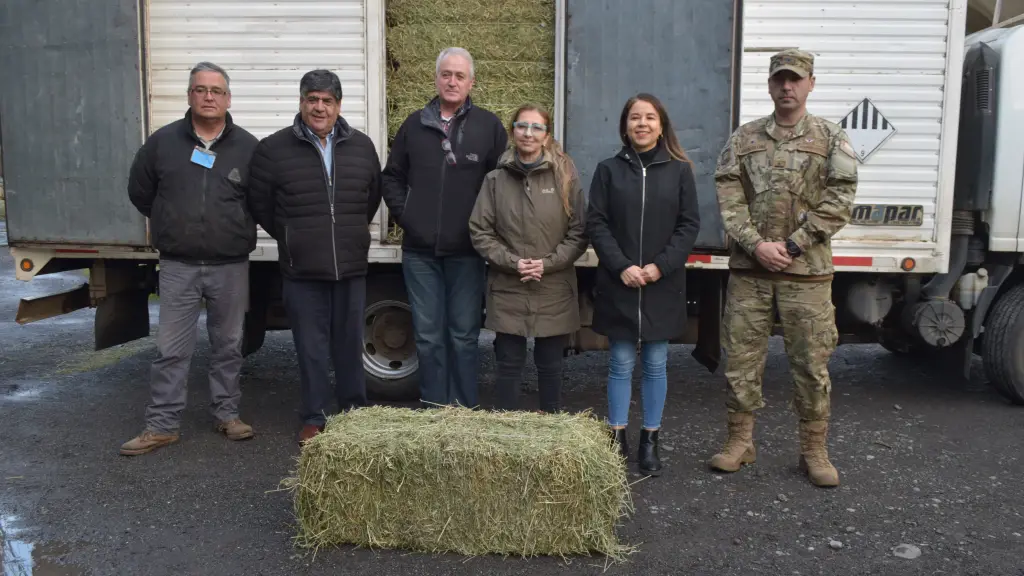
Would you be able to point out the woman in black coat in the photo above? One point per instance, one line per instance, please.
(643, 220)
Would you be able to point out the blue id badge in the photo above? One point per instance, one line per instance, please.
(203, 157)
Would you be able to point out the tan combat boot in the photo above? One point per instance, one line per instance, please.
(814, 454)
(147, 442)
(739, 447)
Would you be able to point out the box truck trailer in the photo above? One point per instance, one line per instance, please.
(930, 262)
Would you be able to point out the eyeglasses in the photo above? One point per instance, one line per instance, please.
(449, 156)
(327, 100)
(202, 90)
(527, 127)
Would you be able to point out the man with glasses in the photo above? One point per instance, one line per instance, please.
(190, 180)
(315, 189)
(435, 169)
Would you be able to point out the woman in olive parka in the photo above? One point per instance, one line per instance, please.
(528, 223)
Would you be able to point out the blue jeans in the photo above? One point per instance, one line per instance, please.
(654, 384)
(446, 296)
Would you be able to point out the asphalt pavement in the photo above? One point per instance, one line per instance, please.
(930, 468)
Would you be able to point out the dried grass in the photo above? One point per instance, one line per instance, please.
(512, 43)
(513, 48)
(468, 11)
(408, 93)
(463, 481)
(502, 42)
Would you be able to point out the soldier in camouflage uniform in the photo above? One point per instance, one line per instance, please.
(785, 186)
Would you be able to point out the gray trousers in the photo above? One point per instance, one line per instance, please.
(182, 290)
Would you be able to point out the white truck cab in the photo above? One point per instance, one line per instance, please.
(978, 305)
(994, 82)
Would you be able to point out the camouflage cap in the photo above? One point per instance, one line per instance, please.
(792, 59)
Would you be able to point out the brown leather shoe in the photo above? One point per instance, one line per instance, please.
(308, 432)
(235, 429)
(147, 442)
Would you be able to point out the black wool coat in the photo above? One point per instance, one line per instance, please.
(637, 216)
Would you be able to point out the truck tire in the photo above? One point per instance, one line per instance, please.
(1003, 345)
(389, 346)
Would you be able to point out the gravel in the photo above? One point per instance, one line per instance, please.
(206, 505)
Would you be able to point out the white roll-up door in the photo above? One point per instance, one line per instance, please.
(266, 46)
(890, 67)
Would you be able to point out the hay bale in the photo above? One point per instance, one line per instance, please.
(408, 91)
(512, 42)
(513, 47)
(503, 42)
(468, 11)
(464, 481)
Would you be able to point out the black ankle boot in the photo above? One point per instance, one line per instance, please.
(647, 456)
(619, 440)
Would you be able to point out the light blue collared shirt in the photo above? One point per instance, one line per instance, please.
(326, 152)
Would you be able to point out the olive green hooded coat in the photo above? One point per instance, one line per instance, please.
(521, 215)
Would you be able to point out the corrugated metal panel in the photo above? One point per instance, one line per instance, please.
(679, 51)
(71, 120)
(890, 51)
(265, 46)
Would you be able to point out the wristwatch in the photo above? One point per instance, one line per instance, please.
(792, 249)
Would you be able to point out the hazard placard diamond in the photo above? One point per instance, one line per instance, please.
(867, 129)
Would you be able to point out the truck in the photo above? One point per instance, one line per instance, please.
(930, 263)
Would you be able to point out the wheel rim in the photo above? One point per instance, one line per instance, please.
(389, 349)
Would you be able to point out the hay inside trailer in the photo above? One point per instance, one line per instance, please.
(512, 43)
(463, 481)
(513, 48)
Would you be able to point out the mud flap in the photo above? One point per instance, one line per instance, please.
(254, 330)
(708, 350)
(122, 317)
(121, 291)
(997, 273)
(965, 350)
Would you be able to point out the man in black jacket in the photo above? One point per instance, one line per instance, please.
(434, 172)
(190, 180)
(315, 189)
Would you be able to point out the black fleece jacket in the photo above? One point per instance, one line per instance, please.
(430, 198)
(196, 214)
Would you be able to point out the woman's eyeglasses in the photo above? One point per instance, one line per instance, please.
(528, 127)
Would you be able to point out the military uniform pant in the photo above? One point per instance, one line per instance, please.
(808, 322)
